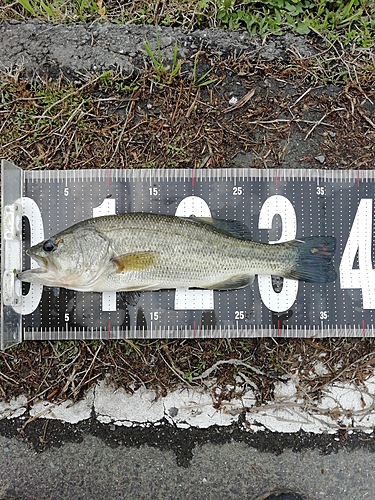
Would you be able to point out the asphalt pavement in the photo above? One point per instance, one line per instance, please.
(50, 460)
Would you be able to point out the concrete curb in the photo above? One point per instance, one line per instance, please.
(342, 406)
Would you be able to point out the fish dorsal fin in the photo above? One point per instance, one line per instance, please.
(238, 281)
(137, 261)
(233, 228)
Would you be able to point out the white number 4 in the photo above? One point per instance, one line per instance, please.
(360, 240)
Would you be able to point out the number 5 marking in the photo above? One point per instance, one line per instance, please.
(278, 205)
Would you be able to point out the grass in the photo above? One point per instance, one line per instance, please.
(350, 21)
(161, 73)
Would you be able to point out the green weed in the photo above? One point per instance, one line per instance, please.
(201, 81)
(58, 10)
(162, 74)
(351, 21)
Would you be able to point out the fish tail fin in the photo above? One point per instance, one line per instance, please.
(313, 259)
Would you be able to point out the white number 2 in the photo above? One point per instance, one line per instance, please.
(360, 240)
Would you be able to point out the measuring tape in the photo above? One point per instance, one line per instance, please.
(275, 206)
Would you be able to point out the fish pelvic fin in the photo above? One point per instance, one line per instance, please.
(313, 259)
(238, 281)
(137, 261)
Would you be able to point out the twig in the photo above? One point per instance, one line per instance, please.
(74, 392)
(301, 97)
(235, 362)
(352, 364)
(314, 126)
(241, 102)
(321, 121)
(248, 381)
(192, 105)
(365, 117)
(176, 371)
(67, 96)
(38, 415)
(9, 379)
(71, 117)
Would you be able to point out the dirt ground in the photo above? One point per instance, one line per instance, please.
(285, 102)
(87, 96)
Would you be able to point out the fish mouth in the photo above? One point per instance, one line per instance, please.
(42, 261)
(37, 270)
(29, 273)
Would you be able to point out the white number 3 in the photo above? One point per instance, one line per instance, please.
(278, 205)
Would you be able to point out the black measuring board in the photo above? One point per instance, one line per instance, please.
(275, 205)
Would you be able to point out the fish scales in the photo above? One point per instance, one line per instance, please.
(151, 252)
(191, 254)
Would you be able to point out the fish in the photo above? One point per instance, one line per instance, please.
(142, 251)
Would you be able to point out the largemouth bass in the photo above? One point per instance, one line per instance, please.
(151, 252)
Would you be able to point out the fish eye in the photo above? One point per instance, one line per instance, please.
(48, 246)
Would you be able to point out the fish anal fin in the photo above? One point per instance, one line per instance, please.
(137, 261)
(237, 281)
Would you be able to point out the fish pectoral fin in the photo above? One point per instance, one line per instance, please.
(238, 281)
(137, 261)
